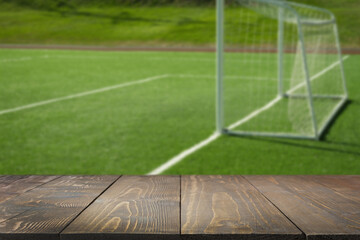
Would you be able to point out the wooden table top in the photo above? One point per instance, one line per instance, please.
(179, 207)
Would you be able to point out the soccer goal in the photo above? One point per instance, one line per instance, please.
(279, 69)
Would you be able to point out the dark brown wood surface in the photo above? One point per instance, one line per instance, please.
(319, 211)
(348, 186)
(11, 186)
(44, 212)
(179, 207)
(229, 205)
(135, 207)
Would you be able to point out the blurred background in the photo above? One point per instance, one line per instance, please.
(134, 23)
(147, 93)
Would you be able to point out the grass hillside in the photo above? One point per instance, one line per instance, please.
(112, 24)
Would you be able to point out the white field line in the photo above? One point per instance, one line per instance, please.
(16, 59)
(184, 154)
(121, 55)
(21, 59)
(178, 158)
(81, 57)
(317, 75)
(91, 57)
(174, 58)
(51, 56)
(57, 56)
(166, 58)
(255, 113)
(82, 94)
(229, 77)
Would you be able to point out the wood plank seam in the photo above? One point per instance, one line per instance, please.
(50, 207)
(88, 205)
(312, 207)
(20, 193)
(135, 207)
(303, 233)
(321, 212)
(27, 192)
(41, 184)
(229, 207)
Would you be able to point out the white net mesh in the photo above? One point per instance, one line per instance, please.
(270, 85)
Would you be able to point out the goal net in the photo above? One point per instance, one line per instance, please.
(280, 69)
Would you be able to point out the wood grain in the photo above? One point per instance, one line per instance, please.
(174, 207)
(230, 208)
(11, 186)
(134, 207)
(346, 185)
(43, 212)
(319, 211)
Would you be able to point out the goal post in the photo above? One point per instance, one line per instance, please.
(279, 69)
(219, 64)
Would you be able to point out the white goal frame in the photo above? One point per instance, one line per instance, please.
(318, 132)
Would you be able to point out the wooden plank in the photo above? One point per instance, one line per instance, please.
(134, 207)
(228, 207)
(346, 185)
(320, 212)
(11, 186)
(7, 179)
(44, 212)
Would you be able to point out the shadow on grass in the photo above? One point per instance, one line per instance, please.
(300, 144)
(331, 123)
(344, 144)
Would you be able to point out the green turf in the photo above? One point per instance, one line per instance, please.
(129, 130)
(133, 130)
(337, 153)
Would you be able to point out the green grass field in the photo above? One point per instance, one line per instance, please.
(157, 105)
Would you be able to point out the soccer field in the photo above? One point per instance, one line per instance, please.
(94, 112)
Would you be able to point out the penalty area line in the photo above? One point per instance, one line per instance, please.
(82, 94)
(210, 139)
(184, 154)
(16, 59)
(178, 158)
(226, 77)
(317, 75)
